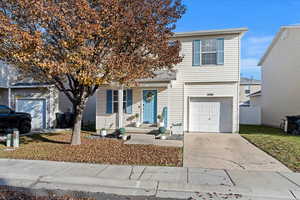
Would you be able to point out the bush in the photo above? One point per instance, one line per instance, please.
(122, 131)
(162, 130)
(89, 126)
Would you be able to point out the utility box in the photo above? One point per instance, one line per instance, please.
(177, 129)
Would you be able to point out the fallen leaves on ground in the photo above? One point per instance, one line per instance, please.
(56, 147)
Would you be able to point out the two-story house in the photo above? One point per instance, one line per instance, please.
(280, 68)
(247, 87)
(202, 93)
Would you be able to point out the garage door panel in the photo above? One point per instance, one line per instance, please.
(218, 109)
(204, 116)
(36, 108)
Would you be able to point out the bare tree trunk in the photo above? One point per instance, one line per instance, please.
(78, 111)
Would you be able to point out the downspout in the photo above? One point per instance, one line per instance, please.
(120, 107)
(238, 89)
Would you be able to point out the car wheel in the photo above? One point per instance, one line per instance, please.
(25, 127)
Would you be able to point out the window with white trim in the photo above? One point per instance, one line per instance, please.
(209, 52)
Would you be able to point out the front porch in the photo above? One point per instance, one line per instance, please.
(136, 109)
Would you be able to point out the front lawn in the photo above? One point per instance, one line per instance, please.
(285, 148)
(56, 147)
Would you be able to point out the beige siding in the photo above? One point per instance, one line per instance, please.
(255, 101)
(280, 79)
(110, 120)
(218, 90)
(214, 73)
(89, 114)
(3, 96)
(253, 88)
(48, 94)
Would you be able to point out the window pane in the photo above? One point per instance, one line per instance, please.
(115, 107)
(124, 95)
(209, 46)
(124, 107)
(209, 58)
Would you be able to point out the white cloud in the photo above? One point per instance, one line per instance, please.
(256, 46)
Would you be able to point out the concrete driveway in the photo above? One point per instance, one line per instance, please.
(226, 151)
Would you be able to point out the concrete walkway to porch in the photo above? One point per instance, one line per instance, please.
(150, 181)
(226, 151)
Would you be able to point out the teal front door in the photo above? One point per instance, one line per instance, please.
(149, 106)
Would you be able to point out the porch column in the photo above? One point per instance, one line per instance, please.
(9, 97)
(120, 107)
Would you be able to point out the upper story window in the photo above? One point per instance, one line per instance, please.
(208, 52)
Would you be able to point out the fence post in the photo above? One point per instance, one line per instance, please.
(8, 140)
(15, 138)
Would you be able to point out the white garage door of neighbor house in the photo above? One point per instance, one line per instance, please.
(36, 108)
(204, 116)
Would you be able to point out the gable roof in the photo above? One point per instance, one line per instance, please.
(212, 32)
(274, 41)
(249, 81)
(258, 93)
(163, 76)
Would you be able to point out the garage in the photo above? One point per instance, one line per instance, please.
(210, 114)
(36, 108)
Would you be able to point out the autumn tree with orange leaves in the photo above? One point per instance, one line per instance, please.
(79, 45)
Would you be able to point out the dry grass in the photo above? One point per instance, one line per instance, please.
(56, 147)
(284, 147)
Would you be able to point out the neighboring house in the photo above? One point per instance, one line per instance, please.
(255, 99)
(247, 87)
(202, 93)
(280, 94)
(41, 100)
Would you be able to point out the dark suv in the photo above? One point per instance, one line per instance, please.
(10, 119)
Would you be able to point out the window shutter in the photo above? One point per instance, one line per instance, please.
(129, 101)
(109, 102)
(165, 116)
(220, 51)
(196, 52)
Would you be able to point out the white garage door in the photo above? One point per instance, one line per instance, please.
(36, 108)
(204, 116)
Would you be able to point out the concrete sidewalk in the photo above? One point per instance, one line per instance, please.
(163, 182)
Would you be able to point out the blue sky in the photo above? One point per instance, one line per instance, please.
(263, 18)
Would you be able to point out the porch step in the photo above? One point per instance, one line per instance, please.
(143, 130)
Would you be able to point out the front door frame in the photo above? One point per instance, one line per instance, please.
(142, 104)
